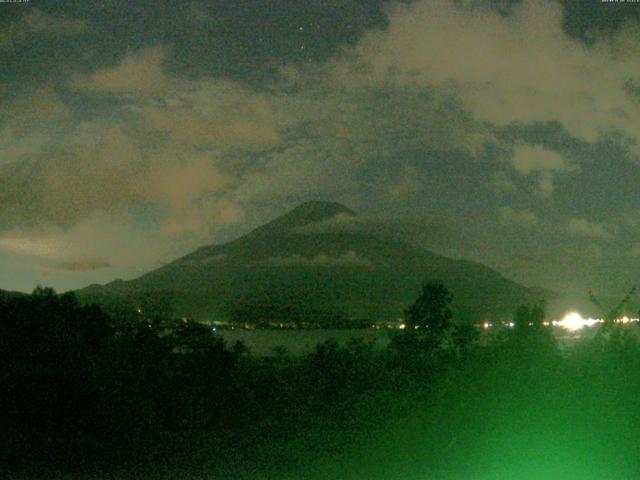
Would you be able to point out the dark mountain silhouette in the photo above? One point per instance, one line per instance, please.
(306, 265)
(304, 214)
(10, 294)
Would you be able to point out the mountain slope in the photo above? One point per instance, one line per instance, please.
(287, 270)
(10, 294)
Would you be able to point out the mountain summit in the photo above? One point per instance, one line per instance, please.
(304, 214)
(311, 212)
(282, 271)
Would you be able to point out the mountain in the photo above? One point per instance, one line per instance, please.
(10, 294)
(313, 263)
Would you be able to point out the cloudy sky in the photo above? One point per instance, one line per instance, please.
(506, 132)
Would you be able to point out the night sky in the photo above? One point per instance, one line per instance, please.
(498, 131)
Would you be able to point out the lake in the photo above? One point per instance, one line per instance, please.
(301, 342)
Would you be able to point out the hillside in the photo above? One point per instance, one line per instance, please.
(10, 294)
(303, 266)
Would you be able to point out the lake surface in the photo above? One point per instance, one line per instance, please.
(300, 342)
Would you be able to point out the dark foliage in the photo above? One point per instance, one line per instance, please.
(432, 309)
(83, 390)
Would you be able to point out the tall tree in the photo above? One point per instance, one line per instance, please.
(431, 312)
(522, 317)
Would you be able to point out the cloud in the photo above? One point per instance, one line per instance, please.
(529, 159)
(520, 218)
(541, 162)
(593, 252)
(98, 248)
(545, 184)
(30, 123)
(21, 245)
(63, 184)
(79, 264)
(139, 72)
(51, 252)
(211, 113)
(408, 115)
(348, 259)
(195, 112)
(202, 151)
(37, 22)
(581, 227)
(522, 67)
(406, 184)
(181, 188)
(501, 183)
(177, 151)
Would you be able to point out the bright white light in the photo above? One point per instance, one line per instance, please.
(573, 321)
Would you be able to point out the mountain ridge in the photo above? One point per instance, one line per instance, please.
(281, 269)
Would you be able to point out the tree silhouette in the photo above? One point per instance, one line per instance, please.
(609, 316)
(431, 312)
(536, 315)
(610, 335)
(530, 341)
(428, 329)
(526, 317)
(521, 318)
